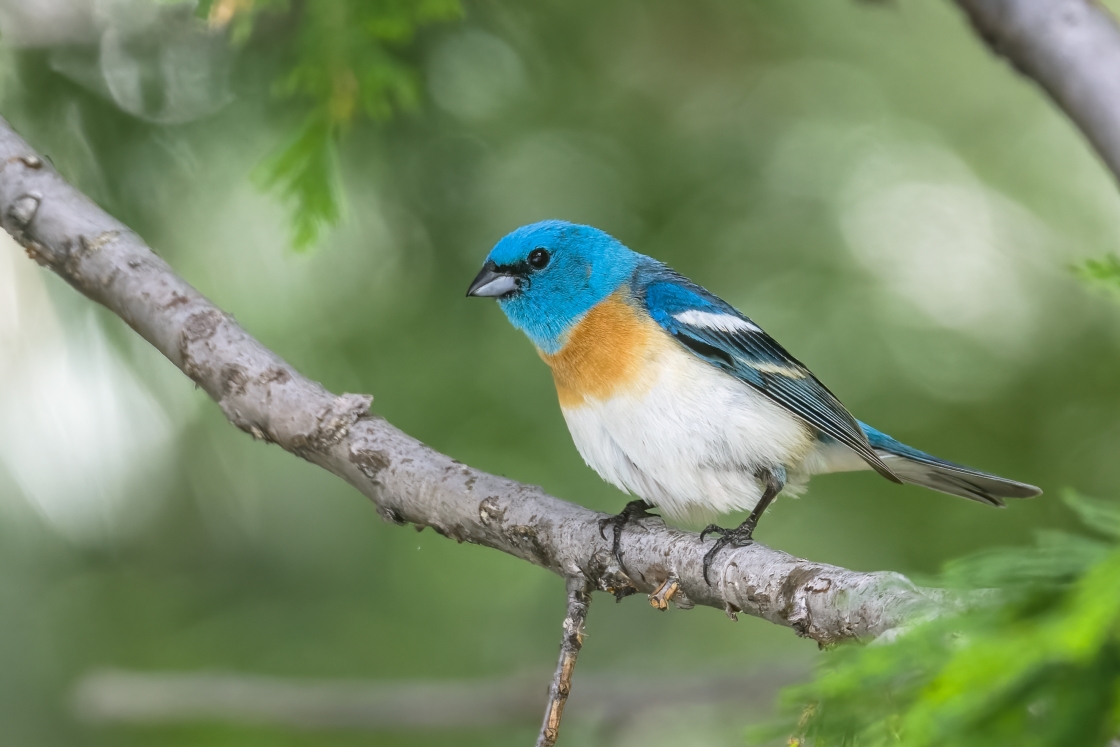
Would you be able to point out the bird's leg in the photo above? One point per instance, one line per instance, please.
(632, 511)
(743, 535)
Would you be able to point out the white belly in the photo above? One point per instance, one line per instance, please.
(692, 441)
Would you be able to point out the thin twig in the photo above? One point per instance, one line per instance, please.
(571, 641)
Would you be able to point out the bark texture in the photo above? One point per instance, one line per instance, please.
(408, 482)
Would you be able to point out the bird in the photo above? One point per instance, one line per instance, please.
(674, 396)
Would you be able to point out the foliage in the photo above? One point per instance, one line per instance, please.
(348, 64)
(1040, 666)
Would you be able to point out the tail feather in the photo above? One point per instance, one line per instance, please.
(919, 468)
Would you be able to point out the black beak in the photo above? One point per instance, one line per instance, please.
(493, 284)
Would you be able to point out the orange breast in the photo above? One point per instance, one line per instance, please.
(608, 352)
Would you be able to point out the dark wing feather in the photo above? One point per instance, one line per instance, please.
(746, 352)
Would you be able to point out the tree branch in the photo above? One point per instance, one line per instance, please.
(407, 481)
(1071, 48)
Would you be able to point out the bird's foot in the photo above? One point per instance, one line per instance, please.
(632, 511)
(740, 536)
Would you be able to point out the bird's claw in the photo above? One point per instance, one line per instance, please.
(632, 511)
(711, 529)
(740, 536)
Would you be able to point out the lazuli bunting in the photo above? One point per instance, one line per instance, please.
(673, 395)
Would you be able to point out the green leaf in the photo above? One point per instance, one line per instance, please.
(1038, 667)
(348, 64)
(305, 173)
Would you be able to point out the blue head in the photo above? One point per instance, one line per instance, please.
(547, 275)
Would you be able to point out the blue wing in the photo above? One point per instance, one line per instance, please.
(716, 332)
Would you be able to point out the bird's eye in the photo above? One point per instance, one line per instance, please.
(538, 258)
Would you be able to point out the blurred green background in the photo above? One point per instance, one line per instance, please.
(864, 180)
